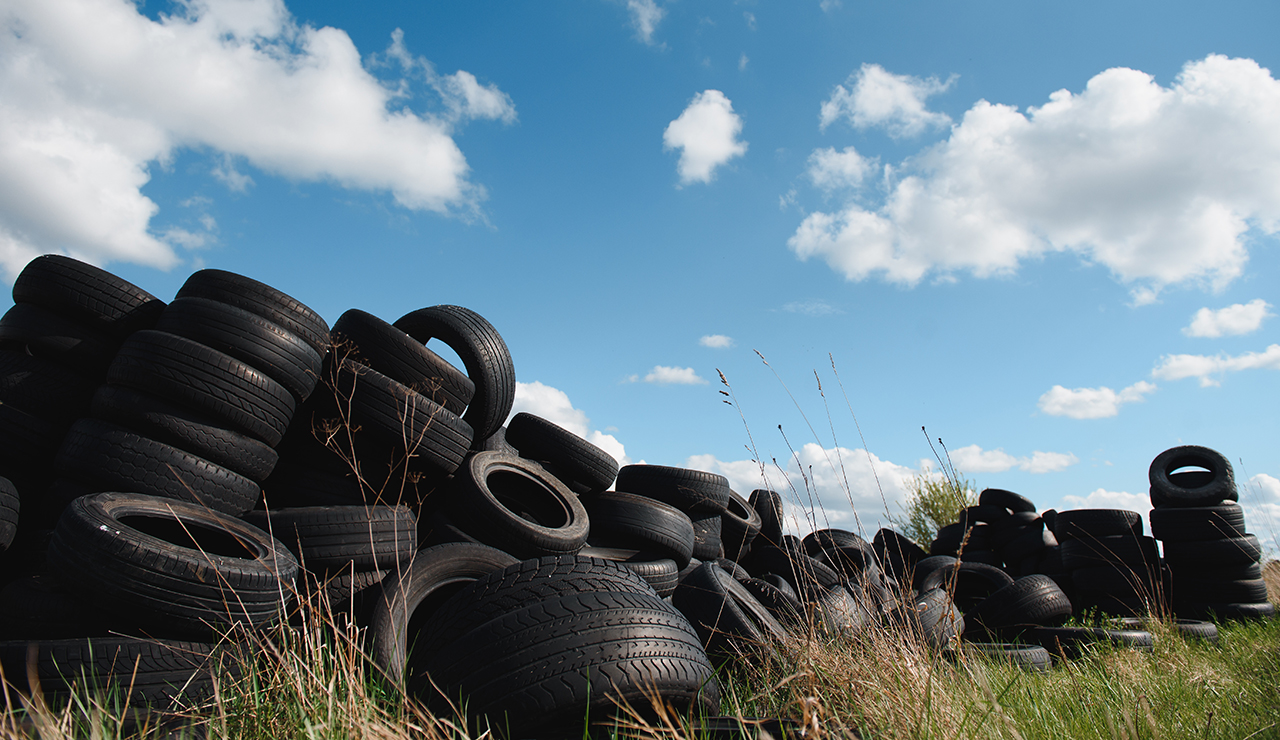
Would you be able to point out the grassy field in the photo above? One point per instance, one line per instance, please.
(312, 682)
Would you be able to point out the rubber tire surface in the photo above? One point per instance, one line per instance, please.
(1031, 657)
(1220, 485)
(768, 505)
(898, 555)
(1030, 600)
(86, 294)
(632, 521)
(331, 538)
(1007, 499)
(261, 299)
(538, 439)
(483, 353)
(1086, 523)
(10, 505)
(1197, 522)
(739, 528)
(729, 620)
(42, 333)
(661, 573)
(1206, 553)
(691, 491)
(171, 587)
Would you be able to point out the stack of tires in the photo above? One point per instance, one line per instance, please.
(1214, 562)
(1115, 568)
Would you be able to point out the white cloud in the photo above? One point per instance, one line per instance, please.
(1104, 499)
(716, 341)
(92, 94)
(645, 16)
(1091, 403)
(742, 63)
(877, 97)
(812, 307)
(830, 5)
(823, 486)
(750, 19)
(1234, 320)
(1158, 185)
(1177, 367)
(830, 169)
(974, 459)
(553, 405)
(663, 375)
(706, 134)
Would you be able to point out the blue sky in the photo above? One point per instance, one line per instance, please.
(1047, 234)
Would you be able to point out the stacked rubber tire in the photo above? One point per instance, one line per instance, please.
(1214, 562)
(1115, 568)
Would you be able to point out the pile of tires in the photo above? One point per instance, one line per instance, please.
(1214, 562)
(1115, 568)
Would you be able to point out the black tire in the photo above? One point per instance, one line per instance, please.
(707, 543)
(840, 613)
(746, 728)
(408, 598)
(327, 539)
(1087, 523)
(804, 573)
(390, 417)
(1119, 579)
(932, 616)
(661, 573)
(631, 521)
(1228, 612)
(729, 620)
(1207, 553)
(691, 491)
(86, 294)
(196, 376)
(985, 514)
(1029, 601)
(832, 539)
(1219, 591)
(573, 457)
(42, 333)
(1198, 522)
(1031, 657)
(1006, 499)
(1219, 486)
(1108, 550)
(739, 527)
(260, 299)
(187, 430)
(248, 337)
(294, 484)
(898, 555)
(483, 353)
(1014, 525)
(375, 343)
(768, 505)
(778, 598)
(164, 675)
(935, 571)
(1030, 542)
(109, 457)
(1072, 642)
(514, 504)
(28, 444)
(1252, 571)
(43, 387)
(545, 647)
(41, 607)
(974, 582)
(10, 505)
(171, 567)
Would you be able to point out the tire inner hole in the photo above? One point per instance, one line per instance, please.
(528, 499)
(1189, 469)
(190, 535)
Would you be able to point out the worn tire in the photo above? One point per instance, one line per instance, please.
(1211, 490)
(261, 299)
(1197, 522)
(573, 457)
(631, 521)
(327, 539)
(691, 491)
(87, 294)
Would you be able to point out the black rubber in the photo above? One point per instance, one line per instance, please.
(898, 555)
(974, 582)
(545, 647)
(768, 505)
(372, 342)
(260, 299)
(1197, 522)
(1015, 524)
(410, 596)
(330, 538)
(248, 337)
(1029, 601)
(935, 571)
(43, 387)
(1072, 642)
(187, 430)
(1228, 612)
(932, 616)
(573, 457)
(839, 612)
(691, 491)
(109, 457)
(1078, 523)
(193, 375)
(172, 568)
(1109, 549)
(164, 675)
(1119, 579)
(1028, 542)
(630, 521)
(37, 331)
(1211, 490)
(1219, 591)
(730, 621)
(1007, 499)
(984, 513)
(1030, 657)
(10, 506)
(805, 574)
(483, 353)
(831, 539)
(514, 504)
(661, 573)
(707, 543)
(86, 294)
(739, 528)
(1205, 553)
(779, 598)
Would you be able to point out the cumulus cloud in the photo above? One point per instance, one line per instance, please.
(706, 134)
(645, 16)
(663, 375)
(553, 405)
(974, 459)
(1091, 403)
(833, 487)
(1104, 499)
(1260, 499)
(1205, 367)
(876, 97)
(716, 341)
(93, 93)
(1234, 320)
(831, 170)
(1158, 185)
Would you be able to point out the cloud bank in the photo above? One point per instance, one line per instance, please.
(1091, 403)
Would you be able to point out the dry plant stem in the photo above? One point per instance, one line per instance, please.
(844, 475)
(856, 425)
